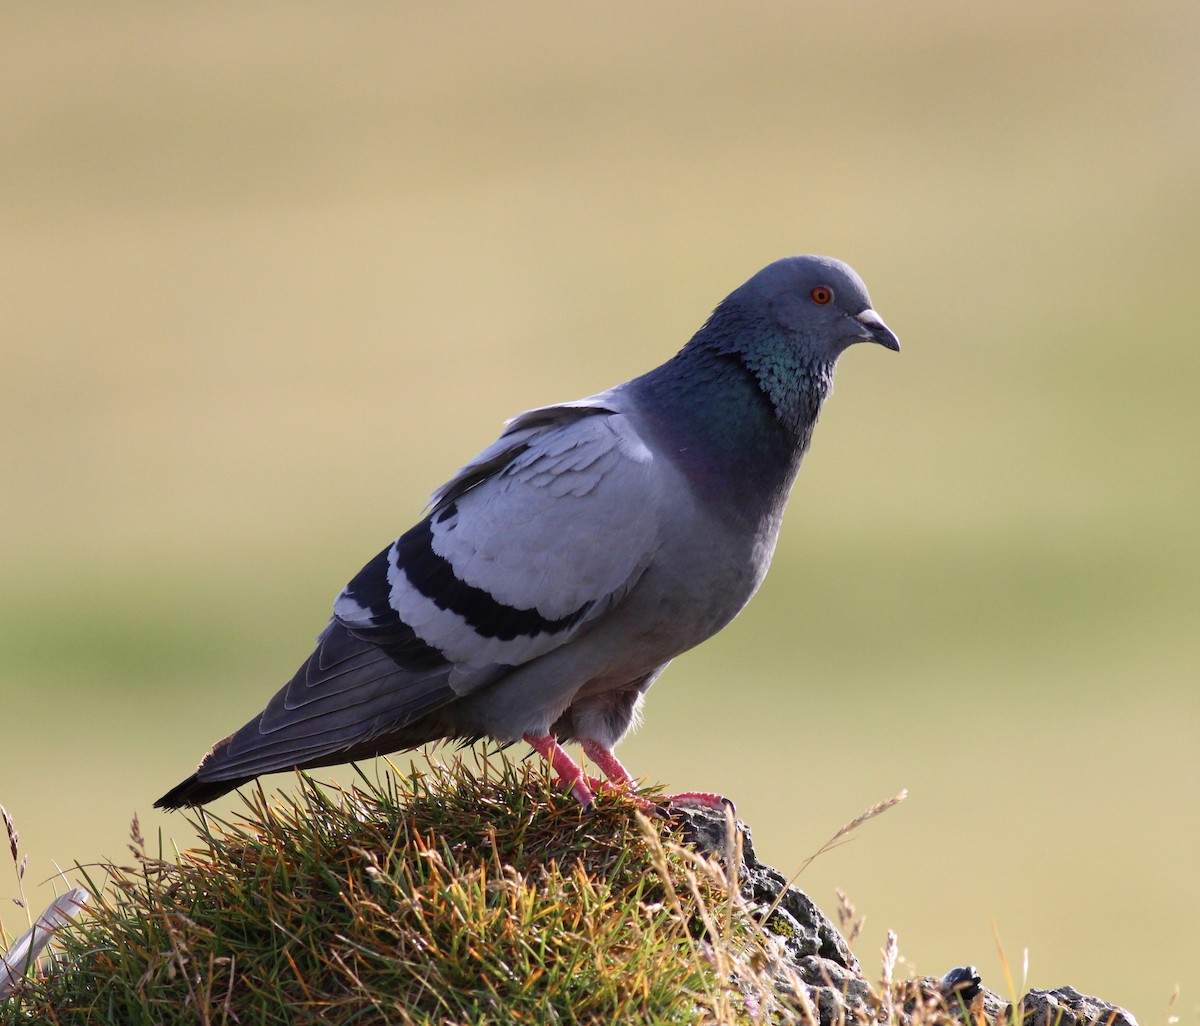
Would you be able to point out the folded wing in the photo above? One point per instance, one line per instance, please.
(536, 538)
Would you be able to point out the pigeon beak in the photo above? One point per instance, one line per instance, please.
(877, 331)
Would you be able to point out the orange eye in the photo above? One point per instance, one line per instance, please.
(821, 294)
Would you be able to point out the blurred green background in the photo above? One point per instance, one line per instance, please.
(271, 273)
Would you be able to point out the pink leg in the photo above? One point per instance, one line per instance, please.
(607, 763)
(570, 775)
(612, 768)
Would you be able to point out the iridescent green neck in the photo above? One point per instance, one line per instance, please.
(738, 424)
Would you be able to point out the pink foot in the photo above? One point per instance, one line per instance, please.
(622, 779)
(571, 776)
(709, 799)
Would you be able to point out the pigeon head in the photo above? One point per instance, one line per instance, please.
(738, 404)
(786, 327)
(815, 305)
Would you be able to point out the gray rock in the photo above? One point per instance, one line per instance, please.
(810, 954)
(1065, 1006)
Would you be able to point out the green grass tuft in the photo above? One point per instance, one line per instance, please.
(447, 896)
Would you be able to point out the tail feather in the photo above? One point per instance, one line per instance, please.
(195, 791)
(347, 701)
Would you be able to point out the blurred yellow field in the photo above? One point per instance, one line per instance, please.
(272, 274)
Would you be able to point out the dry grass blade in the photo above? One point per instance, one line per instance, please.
(14, 839)
(878, 809)
(850, 923)
(887, 979)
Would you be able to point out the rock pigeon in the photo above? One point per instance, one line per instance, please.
(554, 577)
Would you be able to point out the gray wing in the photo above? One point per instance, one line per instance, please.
(537, 537)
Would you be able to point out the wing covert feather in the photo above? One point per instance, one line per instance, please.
(540, 534)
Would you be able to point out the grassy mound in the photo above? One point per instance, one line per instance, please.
(458, 896)
(453, 896)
